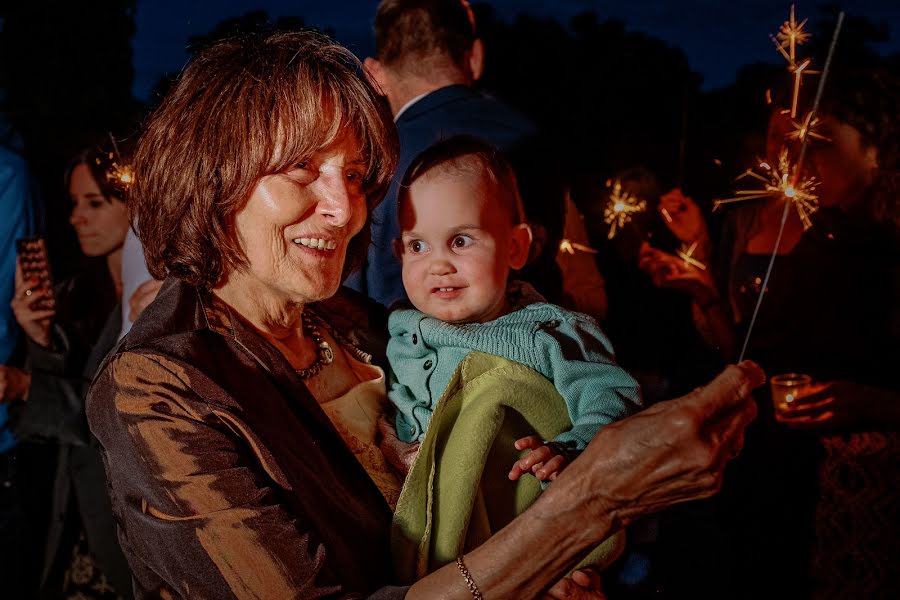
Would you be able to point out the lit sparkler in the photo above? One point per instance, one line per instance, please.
(120, 175)
(779, 182)
(686, 253)
(620, 209)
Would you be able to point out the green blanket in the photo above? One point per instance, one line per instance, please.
(457, 493)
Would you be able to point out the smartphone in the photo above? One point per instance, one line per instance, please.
(32, 253)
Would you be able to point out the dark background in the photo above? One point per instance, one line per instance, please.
(623, 81)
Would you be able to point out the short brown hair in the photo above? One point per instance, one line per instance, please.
(468, 155)
(408, 32)
(245, 108)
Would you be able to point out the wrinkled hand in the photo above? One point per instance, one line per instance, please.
(583, 584)
(399, 454)
(669, 271)
(684, 218)
(142, 297)
(543, 460)
(844, 405)
(14, 384)
(672, 452)
(33, 321)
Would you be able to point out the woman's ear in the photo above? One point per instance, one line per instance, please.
(519, 244)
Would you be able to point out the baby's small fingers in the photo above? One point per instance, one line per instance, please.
(531, 441)
(550, 467)
(515, 473)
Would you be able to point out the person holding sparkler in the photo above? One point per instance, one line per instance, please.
(831, 311)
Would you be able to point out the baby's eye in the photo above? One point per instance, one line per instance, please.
(461, 241)
(417, 246)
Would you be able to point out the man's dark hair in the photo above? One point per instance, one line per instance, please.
(409, 31)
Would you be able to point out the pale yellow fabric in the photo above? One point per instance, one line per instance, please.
(354, 413)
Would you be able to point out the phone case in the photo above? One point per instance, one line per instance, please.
(33, 258)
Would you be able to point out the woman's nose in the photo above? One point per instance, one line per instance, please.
(338, 201)
(77, 217)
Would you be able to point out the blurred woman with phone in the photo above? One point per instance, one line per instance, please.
(70, 328)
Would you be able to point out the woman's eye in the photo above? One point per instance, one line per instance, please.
(356, 179)
(461, 241)
(95, 203)
(417, 246)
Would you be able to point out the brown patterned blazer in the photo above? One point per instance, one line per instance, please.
(226, 478)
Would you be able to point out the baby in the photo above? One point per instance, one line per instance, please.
(462, 232)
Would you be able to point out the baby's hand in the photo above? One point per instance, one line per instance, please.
(545, 460)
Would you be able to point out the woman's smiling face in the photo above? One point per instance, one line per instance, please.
(296, 225)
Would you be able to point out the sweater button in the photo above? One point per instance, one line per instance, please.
(415, 339)
(428, 364)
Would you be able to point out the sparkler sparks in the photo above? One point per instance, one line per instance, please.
(779, 182)
(807, 128)
(120, 175)
(686, 253)
(620, 209)
(790, 35)
(570, 247)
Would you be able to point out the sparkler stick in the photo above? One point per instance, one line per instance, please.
(798, 167)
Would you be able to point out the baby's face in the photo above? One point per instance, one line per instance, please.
(457, 247)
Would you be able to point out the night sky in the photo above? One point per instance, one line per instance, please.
(718, 35)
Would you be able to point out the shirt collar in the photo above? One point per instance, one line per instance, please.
(408, 104)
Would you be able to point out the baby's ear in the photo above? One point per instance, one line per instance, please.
(397, 247)
(519, 244)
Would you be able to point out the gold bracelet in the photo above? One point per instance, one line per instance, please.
(473, 589)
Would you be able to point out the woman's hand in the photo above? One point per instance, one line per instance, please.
(669, 271)
(682, 216)
(844, 405)
(14, 384)
(33, 321)
(583, 584)
(142, 297)
(671, 452)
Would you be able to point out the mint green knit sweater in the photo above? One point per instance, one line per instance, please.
(567, 348)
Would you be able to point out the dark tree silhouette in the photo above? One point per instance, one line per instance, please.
(67, 82)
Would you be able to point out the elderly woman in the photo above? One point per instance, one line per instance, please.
(255, 179)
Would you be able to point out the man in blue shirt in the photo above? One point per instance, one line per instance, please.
(428, 57)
